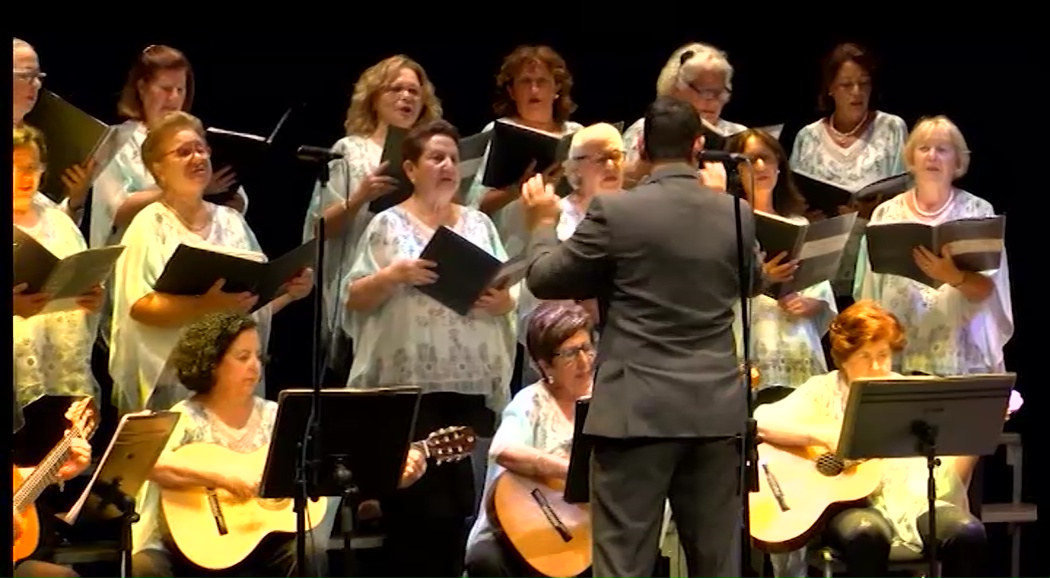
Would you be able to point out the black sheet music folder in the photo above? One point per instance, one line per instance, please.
(465, 271)
(578, 481)
(192, 271)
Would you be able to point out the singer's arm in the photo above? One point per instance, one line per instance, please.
(339, 215)
(576, 268)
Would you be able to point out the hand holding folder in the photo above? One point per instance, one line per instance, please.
(42, 272)
(465, 272)
(194, 271)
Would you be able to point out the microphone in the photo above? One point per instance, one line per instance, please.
(312, 153)
(723, 157)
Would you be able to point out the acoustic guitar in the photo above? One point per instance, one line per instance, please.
(82, 425)
(796, 488)
(552, 535)
(215, 530)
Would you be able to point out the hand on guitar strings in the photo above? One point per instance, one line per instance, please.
(79, 459)
(241, 486)
(415, 467)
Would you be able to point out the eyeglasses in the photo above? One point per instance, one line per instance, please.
(602, 158)
(34, 170)
(189, 149)
(711, 93)
(29, 75)
(572, 353)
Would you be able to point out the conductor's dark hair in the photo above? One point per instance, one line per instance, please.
(151, 61)
(203, 345)
(670, 131)
(516, 62)
(551, 324)
(841, 54)
(417, 138)
(787, 200)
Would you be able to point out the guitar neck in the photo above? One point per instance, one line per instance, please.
(45, 474)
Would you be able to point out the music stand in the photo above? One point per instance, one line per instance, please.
(927, 417)
(578, 480)
(364, 442)
(137, 444)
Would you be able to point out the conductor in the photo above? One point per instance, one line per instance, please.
(668, 408)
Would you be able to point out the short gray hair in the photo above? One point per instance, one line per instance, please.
(679, 71)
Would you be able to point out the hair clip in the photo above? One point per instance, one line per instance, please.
(685, 57)
(148, 48)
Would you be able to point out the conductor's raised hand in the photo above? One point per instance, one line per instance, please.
(779, 269)
(221, 181)
(413, 272)
(92, 300)
(301, 285)
(218, 300)
(540, 203)
(713, 176)
(376, 184)
(26, 305)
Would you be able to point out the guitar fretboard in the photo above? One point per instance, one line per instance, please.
(45, 474)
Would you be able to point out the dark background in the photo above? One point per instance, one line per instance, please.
(246, 78)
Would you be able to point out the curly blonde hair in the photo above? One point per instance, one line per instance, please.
(361, 117)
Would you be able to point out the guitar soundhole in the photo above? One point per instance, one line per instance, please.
(830, 465)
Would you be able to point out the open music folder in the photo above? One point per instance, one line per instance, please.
(193, 270)
(73, 137)
(828, 197)
(465, 271)
(471, 152)
(975, 245)
(818, 246)
(395, 168)
(66, 278)
(514, 147)
(245, 153)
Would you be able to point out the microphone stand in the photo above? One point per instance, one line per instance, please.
(308, 466)
(749, 462)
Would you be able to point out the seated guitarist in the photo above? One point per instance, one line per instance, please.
(79, 459)
(535, 434)
(218, 359)
(864, 339)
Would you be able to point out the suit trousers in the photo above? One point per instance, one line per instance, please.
(630, 481)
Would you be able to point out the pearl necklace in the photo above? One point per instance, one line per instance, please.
(930, 215)
(841, 137)
(186, 223)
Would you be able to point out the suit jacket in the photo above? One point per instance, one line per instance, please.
(662, 260)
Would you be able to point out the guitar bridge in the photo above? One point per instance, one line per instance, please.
(216, 512)
(552, 517)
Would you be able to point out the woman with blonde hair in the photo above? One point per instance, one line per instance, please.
(962, 325)
(699, 74)
(395, 92)
(146, 322)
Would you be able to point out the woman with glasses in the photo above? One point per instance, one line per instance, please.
(395, 92)
(26, 83)
(701, 75)
(786, 333)
(159, 82)
(52, 339)
(535, 435)
(594, 166)
(146, 323)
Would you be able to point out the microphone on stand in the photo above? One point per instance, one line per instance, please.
(312, 153)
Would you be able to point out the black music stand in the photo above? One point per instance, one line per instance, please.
(137, 444)
(927, 417)
(578, 480)
(364, 442)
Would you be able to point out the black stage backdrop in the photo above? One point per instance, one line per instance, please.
(248, 76)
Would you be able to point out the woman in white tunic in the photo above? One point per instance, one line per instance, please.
(785, 332)
(961, 326)
(52, 339)
(146, 323)
(395, 92)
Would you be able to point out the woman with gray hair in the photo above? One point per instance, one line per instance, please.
(699, 74)
(594, 166)
(26, 83)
